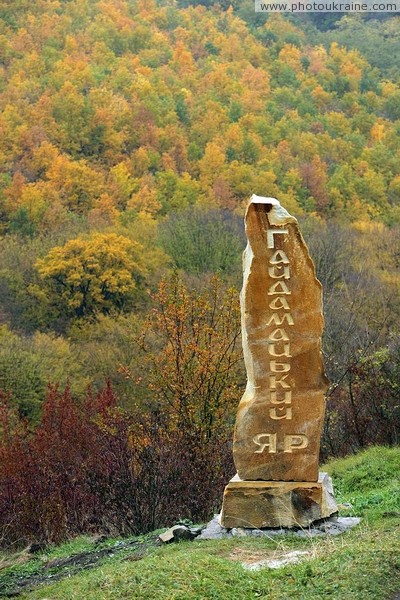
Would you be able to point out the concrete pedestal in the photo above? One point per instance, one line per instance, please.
(257, 504)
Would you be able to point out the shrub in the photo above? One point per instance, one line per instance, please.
(190, 354)
(92, 467)
(364, 409)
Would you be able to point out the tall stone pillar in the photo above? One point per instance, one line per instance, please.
(280, 416)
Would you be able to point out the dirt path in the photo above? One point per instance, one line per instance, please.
(13, 584)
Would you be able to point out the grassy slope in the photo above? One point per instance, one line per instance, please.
(358, 565)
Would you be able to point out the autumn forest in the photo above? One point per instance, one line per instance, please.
(132, 133)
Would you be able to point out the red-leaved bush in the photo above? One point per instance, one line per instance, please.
(92, 467)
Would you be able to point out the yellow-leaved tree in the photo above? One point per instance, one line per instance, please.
(91, 275)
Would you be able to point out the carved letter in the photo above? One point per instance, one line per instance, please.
(286, 351)
(297, 441)
(273, 382)
(277, 320)
(278, 335)
(270, 442)
(279, 257)
(278, 367)
(287, 414)
(287, 399)
(284, 275)
(279, 287)
(270, 236)
(278, 303)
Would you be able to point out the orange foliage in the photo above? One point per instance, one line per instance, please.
(163, 90)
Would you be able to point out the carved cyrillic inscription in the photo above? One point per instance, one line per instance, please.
(274, 383)
(278, 367)
(275, 413)
(278, 303)
(279, 272)
(270, 236)
(280, 389)
(270, 442)
(265, 440)
(279, 257)
(297, 441)
(285, 350)
(279, 269)
(277, 288)
(278, 320)
(278, 335)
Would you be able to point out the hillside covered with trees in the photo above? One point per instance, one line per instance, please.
(132, 133)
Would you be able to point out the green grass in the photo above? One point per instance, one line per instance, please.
(369, 481)
(358, 565)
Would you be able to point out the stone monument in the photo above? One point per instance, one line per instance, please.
(280, 417)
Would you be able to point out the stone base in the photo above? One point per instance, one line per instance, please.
(258, 504)
(331, 526)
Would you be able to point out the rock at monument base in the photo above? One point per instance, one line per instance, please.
(330, 526)
(258, 504)
(179, 533)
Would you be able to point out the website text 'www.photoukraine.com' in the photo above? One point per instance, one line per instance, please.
(327, 6)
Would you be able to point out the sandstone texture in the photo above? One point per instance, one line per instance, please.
(280, 416)
(260, 504)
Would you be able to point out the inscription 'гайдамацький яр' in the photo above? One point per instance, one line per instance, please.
(280, 392)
